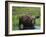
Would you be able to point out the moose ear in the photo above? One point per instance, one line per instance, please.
(37, 16)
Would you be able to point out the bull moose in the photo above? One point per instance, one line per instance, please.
(27, 22)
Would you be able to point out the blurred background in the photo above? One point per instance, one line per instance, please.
(21, 11)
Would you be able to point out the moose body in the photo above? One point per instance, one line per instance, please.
(27, 21)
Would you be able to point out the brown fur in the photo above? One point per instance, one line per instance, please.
(27, 22)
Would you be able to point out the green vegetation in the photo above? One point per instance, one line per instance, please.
(20, 11)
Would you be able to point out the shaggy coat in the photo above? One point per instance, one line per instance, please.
(27, 22)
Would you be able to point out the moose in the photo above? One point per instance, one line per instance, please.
(27, 22)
